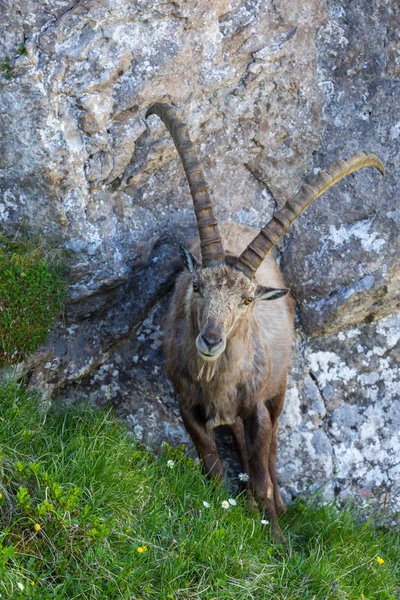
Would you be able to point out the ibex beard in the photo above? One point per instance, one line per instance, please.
(229, 328)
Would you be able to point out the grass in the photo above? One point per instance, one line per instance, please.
(87, 513)
(31, 293)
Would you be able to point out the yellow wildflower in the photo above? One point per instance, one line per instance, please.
(1, 495)
(32, 583)
(37, 527)
(380, 560)
(23, 274)
(142, 549)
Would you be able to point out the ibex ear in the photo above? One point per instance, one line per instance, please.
(189, 261)
(267, 293)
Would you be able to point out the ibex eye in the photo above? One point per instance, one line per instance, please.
(248, 300)
(195, 287)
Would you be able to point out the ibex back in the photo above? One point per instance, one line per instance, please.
(228, 332)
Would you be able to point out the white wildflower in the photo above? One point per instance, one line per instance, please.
(243, 477)
(225, 504)
(170, 464)
(232, 501)
(264, 522)
(206, 504)
(20, 586)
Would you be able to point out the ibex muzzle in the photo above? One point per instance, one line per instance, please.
(220, 314)
(211, 341)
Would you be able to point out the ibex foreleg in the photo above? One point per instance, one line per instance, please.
(239, 437)
(260, 434)
(204, 441)
(274, 407)
(237, 429)
(279, 503)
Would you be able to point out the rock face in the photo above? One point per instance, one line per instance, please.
(272, 91)
(357, 239)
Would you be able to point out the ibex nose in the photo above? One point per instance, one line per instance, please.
(210, 342)
(212, 335)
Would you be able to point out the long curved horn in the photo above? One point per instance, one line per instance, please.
(212, 251)
(252, 257)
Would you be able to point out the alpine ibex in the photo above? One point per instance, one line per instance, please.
(228, 333)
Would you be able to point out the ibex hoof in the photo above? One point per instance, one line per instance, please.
(278, 536)
(252, 505)
(280, 507)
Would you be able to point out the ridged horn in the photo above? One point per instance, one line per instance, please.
(252, 257)
(212, 251)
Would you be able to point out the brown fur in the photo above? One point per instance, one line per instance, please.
(245, 386)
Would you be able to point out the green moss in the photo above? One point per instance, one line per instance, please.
(31, 292)
(21, 49)
(6, 68)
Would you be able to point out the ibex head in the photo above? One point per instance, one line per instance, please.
(224, 288)
(219, 297)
